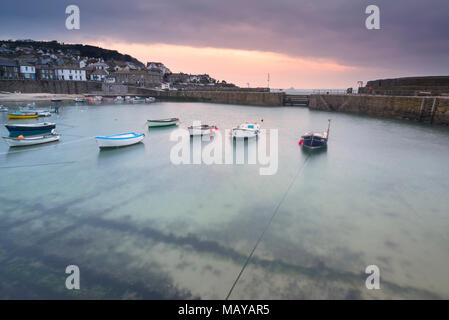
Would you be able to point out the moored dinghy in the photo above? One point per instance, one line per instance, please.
(163, 122)
(22, 141)
(315, 140)
(119, 140)
(22, 115)
(202, 130)
(246, 130)
(138, 100)
(30, 128)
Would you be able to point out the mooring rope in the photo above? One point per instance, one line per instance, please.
(38, 164)
(267, 226)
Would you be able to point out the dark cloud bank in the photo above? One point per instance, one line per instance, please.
(414, 35)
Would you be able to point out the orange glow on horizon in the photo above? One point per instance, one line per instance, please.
(240, 66)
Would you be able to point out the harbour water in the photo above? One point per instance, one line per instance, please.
(140, 227)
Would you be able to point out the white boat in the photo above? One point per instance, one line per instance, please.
(202, 130)
(3, 108)
(118, 99)
(44, 113)
(246, 130)
(137, 100)
(163, 122)
(79, 100)
(28, 107)
(119, 140)
(127, 98)
(150, 99)
(21, 141)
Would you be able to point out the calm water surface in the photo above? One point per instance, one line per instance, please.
(140, 227)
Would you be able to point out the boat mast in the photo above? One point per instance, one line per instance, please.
(328, 127)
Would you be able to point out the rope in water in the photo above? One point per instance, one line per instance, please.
(267, 226)
(39, 164)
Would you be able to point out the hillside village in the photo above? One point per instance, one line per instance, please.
(32, 60)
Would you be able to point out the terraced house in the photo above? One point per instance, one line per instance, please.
(70, 73)
(27, 71)
(45, 72)
(9, 70)
(139, 78)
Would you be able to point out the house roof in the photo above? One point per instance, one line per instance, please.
(68, 68)
(137, 72)
(99, 73)
(8, 62)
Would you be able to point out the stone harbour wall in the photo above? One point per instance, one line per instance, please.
(423, 109)
(50, 86)
(228, 97)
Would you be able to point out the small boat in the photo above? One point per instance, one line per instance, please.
(22, 141)
(79, 100)
(315, 140)
(246, 130)
(163, 122)
(28, 108)
(137, 100)
(30, 128)
(150, 100)
(119, 140)
(118, 99)
(22, 115)
(96, 99)
(202, 130)
(44, 113)
(127, 98)
(3, 108)
(56, 100)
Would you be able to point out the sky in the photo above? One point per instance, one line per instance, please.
(307, 44)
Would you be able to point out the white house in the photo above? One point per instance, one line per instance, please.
(28, 71)
(165, 86)
(98, 75)
(158, 66)
(70, 73)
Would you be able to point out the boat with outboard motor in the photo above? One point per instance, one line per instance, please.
(315, 140)
(246, 130)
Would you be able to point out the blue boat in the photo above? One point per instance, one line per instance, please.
(30, 128)
(315, 140)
